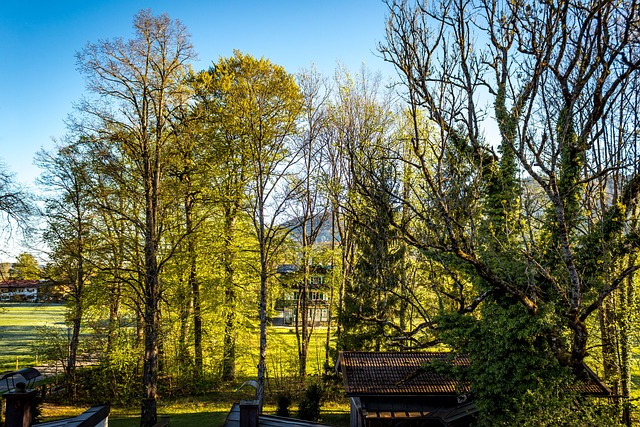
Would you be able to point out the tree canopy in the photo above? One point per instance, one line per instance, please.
(486, 203)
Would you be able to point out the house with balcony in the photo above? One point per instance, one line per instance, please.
(317, 294)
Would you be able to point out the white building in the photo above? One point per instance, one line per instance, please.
(19, 290)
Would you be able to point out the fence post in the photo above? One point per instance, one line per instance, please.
(249, 413)
(20, 405)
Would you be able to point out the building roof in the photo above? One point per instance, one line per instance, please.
(398, 373)
(403, 374)
(591, 385)
(20, 283)
(318, 269)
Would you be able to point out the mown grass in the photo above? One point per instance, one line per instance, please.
(208, 410)
(19, 337)
(181, 413)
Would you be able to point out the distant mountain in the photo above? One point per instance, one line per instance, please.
(324, 235)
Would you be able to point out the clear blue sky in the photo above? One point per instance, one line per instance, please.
(38, 41)
(39, 83)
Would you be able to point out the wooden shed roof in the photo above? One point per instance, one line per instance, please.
(402, 374)
(398, 373)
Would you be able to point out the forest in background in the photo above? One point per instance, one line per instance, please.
(486, 203)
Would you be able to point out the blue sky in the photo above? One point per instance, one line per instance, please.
(38, 41)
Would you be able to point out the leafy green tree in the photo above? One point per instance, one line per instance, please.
(143, 77)
(229, 174)
(263, 104)
(193, 168)
(26, 267)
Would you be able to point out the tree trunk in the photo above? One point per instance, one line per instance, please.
(262, 361)
(194, 285)
(151, 300)
(626, 321)
(197, 319)
(327, 344)
(185, 307)
(228, 260)
(114, 310)
(607, 317)
(150, 369)
(75, 335)
(302, 313)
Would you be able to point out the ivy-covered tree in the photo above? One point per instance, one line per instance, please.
(506, 217)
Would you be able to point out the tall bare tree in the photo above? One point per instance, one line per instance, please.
(15, 203)
(506, 216)
(311, 209)
(138, 86)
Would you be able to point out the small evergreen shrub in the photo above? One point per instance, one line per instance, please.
(309, 408)
(283, 401)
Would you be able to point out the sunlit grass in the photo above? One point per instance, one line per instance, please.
(19, 323)
(207, 410)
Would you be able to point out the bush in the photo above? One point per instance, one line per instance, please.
(283, 401)
(309, 408)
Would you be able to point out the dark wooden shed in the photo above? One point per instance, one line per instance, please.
(392, 389)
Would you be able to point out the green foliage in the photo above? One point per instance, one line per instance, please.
(547, 408)
(26, 267)
(53, 344)
(283, 401)
(514, 376)
(309, 408)
(115, 379)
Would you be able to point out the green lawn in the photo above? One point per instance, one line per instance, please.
(181, 413)
(210, 410)
(19, 335)
(19, 323)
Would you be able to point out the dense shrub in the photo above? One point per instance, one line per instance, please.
(309, 408)
(283, 401)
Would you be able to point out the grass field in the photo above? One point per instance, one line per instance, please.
(209, 410)
(19, 323)
(19, 336)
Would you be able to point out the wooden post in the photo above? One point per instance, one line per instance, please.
(20, 406)
(249, 413)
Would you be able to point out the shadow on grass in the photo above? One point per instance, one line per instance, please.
(213, 419)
